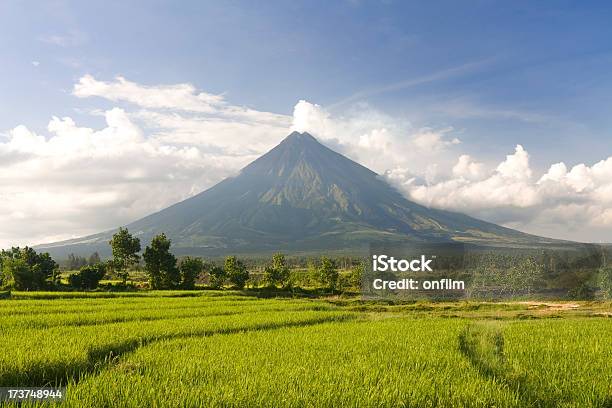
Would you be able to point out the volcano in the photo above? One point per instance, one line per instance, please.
(301, 197)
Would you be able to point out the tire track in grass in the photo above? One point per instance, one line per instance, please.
(483, 345)
(193, 312)
(109, 354)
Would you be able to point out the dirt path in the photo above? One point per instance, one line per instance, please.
(551, 305)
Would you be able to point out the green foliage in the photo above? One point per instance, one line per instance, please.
(16, 274)
(125, 249)
(217, 277)
(94, 259)
(277, 274)
(160, 264)
(356, 275)
(24, 269)
(351, 280)
(328, 273)
(583, 291)
(190, 269)
(75, 262)
(505, 275)
(88, 277)
(605, 282)
(236, 271)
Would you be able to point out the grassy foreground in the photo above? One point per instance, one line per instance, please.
(190, 349)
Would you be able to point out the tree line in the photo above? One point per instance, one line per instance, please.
(164, 271)
(24, 269)
(578, 275)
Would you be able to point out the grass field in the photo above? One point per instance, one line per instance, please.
(172, 349)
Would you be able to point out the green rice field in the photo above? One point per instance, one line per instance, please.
(189, 349)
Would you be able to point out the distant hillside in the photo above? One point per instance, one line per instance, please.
(302, 197)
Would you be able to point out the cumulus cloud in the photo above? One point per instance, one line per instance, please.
(167, 143)
(163, 143)
(425, 164)
(377, 140)
(467, 168)
(572, 204)
(78, 179)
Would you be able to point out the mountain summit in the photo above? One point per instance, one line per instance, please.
(302, 196)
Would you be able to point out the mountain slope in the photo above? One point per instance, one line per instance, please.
(302, 196)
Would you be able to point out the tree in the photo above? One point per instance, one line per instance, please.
(16, 274)
(125, 252)
(94, 259)
(278, 272)
(605, 282)
(190, 269)
(236, 272)
(217, 277)
(328, 273)
(24, 269)
(160, 264)
(356, 275)
(88, 277)
(75, 262)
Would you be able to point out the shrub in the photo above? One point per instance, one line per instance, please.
(582, 292)
(88, 277)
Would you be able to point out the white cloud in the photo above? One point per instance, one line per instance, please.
(572, 204)
(164, 143)
(182, 96)
(429, 139)
(467, 168)
(179, 97)
(172, 144)
(80, 180)
(374, 139)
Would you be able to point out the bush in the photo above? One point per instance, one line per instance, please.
(582, 292)
(88, 277)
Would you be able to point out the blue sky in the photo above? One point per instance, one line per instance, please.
(497, 74)
(548, 61)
